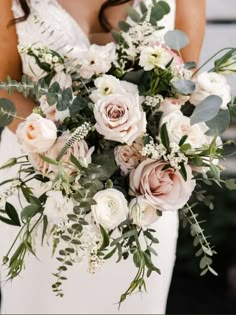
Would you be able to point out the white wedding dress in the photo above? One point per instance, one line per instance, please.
(31, 293)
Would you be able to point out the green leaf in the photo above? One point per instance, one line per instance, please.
(176, 39)
(157, 13)
(183, 171)
(65, 100)
(7, 112)
(143, 7)
(218, 124)
(184, 87)
(7, 221)
(48, 160)
(182, 140)
(124, 26)
(29, 212)
(105, 238)
(45, 226)
(11, 162)
(165, 6)
(110, 254)
(164, 136)
(137, 258)
(230, 184)
(190, 65)
(133, 14)
(78, 104)
(206, 110)
(12, 213)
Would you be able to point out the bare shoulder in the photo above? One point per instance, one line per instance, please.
(9, 57)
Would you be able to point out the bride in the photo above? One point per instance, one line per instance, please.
(76, 24)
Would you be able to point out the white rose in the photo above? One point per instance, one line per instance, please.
(141, 212)
(111, 208)
(120, 118)
(127, 157)
(57, 207)
(37, 134)
(211, 84)
(154, 57)
(179, 125)
(96, 60)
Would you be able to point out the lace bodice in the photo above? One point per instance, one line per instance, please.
(49, 24)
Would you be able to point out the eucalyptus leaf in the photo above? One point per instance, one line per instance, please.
(124, 26)
(176, 39)
(133, 14)
(7, 112)
(184, 87)
(218, 124)
(206, 110)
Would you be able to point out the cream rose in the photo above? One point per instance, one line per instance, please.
(141, 212)
(37, 134)
(80, 150)
(127, 157)
(170, 104)
(57, 207)
(120, 118)
(179, 125)
(211, 84)
(111, 208)
(163, 188)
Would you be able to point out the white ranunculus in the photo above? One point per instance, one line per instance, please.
(211, 84)
(37, 134)
(179, 125)
(142, 212)
(96, 60)
(154, 57)
(111, 208)
(57, 207)
(120, 118)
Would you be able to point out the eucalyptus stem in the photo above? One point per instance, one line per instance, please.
(211, 58)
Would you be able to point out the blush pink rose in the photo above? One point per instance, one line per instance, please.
(80, 150)
(36, 134)
(120, 118)
(164, 188)
(127, 157)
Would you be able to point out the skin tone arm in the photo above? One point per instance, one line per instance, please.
(191, 18)
(10, 62)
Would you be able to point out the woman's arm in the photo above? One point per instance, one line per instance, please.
(191, 19)
(10, 63)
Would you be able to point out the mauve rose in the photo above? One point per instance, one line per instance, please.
(120, 118)
(127, 157)
(36, 134)
(163, 188)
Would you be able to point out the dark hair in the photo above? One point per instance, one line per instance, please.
(101, 16)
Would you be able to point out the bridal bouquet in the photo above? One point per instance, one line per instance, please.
(121, 133)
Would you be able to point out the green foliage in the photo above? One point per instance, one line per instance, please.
(184, 87)
(7, 112)
(206, 110)
(176, 39)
